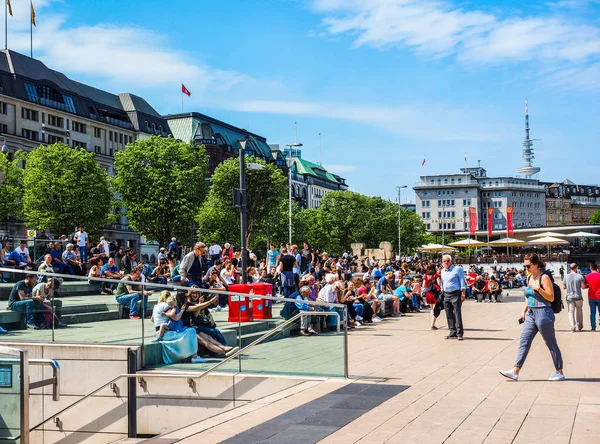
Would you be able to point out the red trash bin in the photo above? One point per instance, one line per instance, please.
(262, 308)
(239, 306)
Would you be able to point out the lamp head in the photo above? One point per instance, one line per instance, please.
(4, 148)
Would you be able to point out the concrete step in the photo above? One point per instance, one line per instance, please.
(79, 288)
(82, 318)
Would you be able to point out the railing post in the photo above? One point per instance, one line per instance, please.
(24, 383)
(131, 394)
(346, 342)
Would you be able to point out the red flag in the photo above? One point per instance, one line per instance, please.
(424, 160)
(185, 90)
(490, 215)
(472, 220)
(509, 221)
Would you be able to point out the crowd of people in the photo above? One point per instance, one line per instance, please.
(369, 290)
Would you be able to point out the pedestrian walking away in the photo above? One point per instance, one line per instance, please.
(454, 288)
(537, 317)
(573, 283)
(593, 282)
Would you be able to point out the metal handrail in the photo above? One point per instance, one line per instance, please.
(170, 287)
(54, 380)
(216, 366)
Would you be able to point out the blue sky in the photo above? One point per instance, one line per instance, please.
(385, 82)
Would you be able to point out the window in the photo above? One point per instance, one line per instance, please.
(31, 135)
(160, 128)
(147, 125)
(459, 180)
(56, 121)
(110, 136)
(97, 132)
(79, 127)
(4, 128)
(98, 149)
(55, 139)
(78, 144)
(130, 139)
(3, 108)
(120, 138)
(29, 114)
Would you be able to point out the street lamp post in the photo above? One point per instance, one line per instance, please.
(290, 145)
(240, 199)
(399, 222)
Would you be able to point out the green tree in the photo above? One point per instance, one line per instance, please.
(11, 186)
(266, 192)
(65, 187)
(595, 219)
(161, 182)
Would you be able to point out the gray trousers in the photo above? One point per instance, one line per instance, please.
(575, 314)
(453, 306)
(305, 322)
(542, 320)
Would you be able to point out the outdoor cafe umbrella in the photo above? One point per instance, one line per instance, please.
(548, 234)
(549, 241)
(468, 243)
(436, 248)
(582, 234)
(508, 242)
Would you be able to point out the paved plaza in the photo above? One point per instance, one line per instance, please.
(454, 393)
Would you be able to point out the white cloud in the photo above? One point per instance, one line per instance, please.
(122, 57)
(440, 28)
(420, 121)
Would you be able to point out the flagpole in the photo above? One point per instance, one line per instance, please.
(5, 24)
(182, 97)
(31, 28)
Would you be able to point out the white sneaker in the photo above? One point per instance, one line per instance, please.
(510, 374)
(557, 377)
(359, 318)
(357, 324)
(198, 360)
(226, 308)
(377, 319)
(219, 308)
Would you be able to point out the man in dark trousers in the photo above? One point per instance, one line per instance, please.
(453, 287)
(287, 262)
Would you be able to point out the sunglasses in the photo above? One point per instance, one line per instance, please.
(527, 266)
(446, 261)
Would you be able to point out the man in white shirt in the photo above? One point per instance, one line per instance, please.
(81, 238)
(24, 251)
(105, 246)
(214, 251)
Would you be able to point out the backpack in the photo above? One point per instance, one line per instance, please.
(289, 310)
(557, 303)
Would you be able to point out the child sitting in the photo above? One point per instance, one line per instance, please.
(417, 299)
(159, 316)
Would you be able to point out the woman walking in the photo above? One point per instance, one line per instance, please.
(537, 316)
(433, 284)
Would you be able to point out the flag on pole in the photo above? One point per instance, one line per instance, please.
(32, 15)
(9, 7)
(424, 160)
(489, 224)
(185, 91)
(472, 220)
(509, 221)
(465, 156)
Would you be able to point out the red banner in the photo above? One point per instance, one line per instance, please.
(490, 215)
(509, 221)
(472, 220)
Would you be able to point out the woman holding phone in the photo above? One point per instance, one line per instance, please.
(537, 317)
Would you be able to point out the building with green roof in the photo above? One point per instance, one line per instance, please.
(311, 182)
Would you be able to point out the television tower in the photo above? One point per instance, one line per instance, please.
(528, 170)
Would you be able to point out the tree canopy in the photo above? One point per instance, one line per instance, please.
(65, 187)
(266, 193)
(11, 186)
(595, 219)
(161, 182)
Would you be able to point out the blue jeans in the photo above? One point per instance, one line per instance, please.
(415, 301)
(288, 282)
(62, 267)
(191, 282)
(359, 309)
(29, 307)
(132, 299)
(83, 252)
(213, 333)
(539, 320)
(594, 305)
